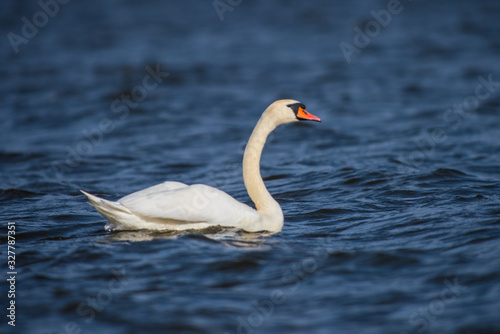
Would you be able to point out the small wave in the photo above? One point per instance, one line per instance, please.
(444, 173)
(9, 194)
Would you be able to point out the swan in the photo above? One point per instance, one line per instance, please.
(177, 206)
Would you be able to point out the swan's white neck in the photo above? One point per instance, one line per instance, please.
(264, 202)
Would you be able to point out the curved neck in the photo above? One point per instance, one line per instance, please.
(254, 184)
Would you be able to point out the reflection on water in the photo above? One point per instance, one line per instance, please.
(225, 236)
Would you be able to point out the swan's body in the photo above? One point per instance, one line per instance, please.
(177, 206)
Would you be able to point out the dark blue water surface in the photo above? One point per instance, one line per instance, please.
(392, 203)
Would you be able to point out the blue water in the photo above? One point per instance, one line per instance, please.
(391, 204)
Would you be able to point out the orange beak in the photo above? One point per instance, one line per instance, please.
(302, 114)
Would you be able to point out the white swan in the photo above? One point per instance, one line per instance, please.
(177, 206)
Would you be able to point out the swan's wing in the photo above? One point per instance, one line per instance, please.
(187, 204)
(165, 186)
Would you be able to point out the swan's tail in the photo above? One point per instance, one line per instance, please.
(114, 212)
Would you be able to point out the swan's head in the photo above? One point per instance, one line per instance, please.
(288, 111)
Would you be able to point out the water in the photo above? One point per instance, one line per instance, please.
(391, 203)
